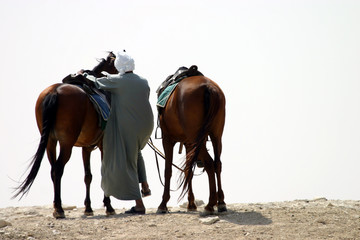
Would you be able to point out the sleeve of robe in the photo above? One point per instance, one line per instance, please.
(108, 82)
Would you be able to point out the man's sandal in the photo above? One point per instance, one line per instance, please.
(134, 211)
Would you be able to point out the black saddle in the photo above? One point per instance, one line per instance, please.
(181, 73)
(87, 85)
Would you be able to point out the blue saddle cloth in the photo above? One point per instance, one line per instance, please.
(164, 96)
(101, 104)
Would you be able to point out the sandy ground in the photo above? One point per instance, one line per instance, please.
(300, 219)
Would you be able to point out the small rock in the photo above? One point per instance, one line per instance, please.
(209, 220)
(184, 205)
(69, 208)
(198, 203)
(4, 223)
(51, 225)
(322, 199)
(34, 213)
(321, 221)
(330, 205)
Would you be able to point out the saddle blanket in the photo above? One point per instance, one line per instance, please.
(164, 96)
(100, 102)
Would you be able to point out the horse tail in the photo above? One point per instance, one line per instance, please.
(49, 108)
(211, 106)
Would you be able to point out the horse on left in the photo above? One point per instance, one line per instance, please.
(65, 114)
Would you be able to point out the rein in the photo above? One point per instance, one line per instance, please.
(158, 152)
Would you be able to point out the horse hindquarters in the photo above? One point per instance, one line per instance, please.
(212, 125)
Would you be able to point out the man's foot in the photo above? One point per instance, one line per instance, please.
(134, 211)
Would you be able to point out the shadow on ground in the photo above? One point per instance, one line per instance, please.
(245, 218)
(232, 216)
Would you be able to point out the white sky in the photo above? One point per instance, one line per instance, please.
(289, 70)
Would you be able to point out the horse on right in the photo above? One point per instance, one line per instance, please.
(194, 111)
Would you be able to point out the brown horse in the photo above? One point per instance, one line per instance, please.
(194, 111)
(65, 114)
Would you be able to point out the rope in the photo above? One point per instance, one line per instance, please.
(158, 152)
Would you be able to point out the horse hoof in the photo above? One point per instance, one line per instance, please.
(192, 209)
(162, 211)
(86, 213)
(58, 215)
(222, 208)
(200, 164)
(109, 213)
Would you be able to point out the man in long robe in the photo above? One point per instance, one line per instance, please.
(128, 129)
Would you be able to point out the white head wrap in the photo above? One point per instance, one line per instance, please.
(124, 63)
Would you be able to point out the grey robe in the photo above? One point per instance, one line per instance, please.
(128, 129)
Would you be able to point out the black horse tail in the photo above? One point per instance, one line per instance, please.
(211, 106)
(49, 107)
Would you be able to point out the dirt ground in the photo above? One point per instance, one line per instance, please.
(300, 219)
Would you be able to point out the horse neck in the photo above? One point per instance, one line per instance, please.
(96, 71)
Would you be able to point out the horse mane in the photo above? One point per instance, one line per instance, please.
(96, 70)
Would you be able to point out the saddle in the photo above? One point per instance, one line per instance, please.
(169, 85)
(181, 73)
(101, 99)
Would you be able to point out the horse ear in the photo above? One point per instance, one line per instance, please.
(111, 57)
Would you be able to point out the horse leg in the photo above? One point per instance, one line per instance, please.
(209, 168)
(168, 149)
(107, 202)
(109, 209)
(218, 167)
(51, 154)
(57, 171)
(86, 153)
(51, 151)
(191, 199)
